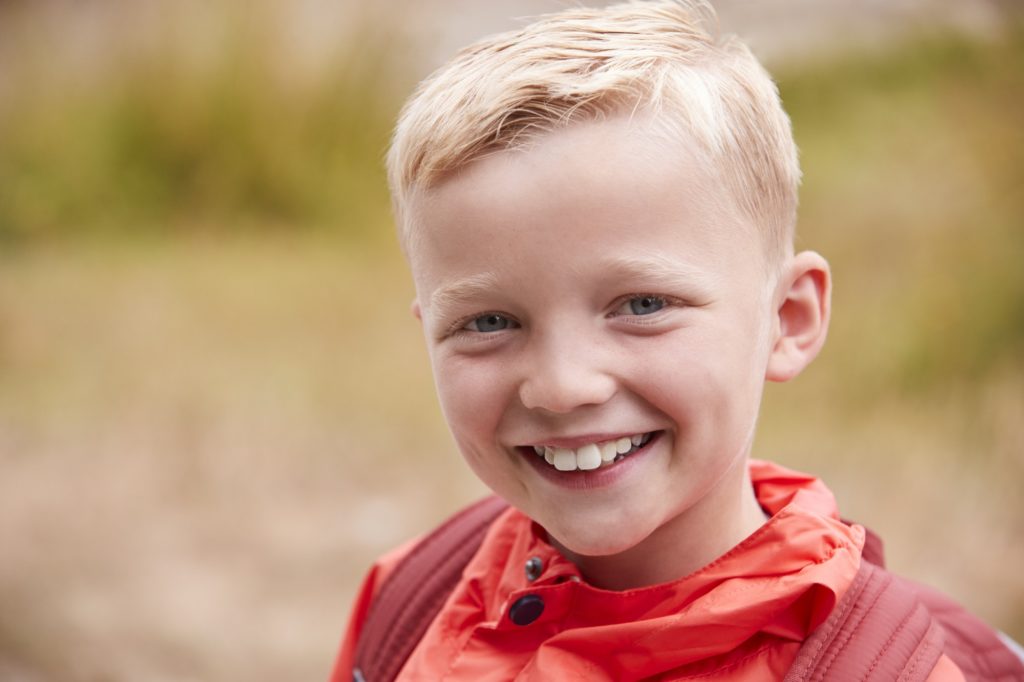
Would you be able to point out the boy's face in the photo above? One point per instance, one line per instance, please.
(593, 288)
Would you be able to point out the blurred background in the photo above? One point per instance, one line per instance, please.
(215, 408)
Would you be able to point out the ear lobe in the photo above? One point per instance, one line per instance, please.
(415, 310)
(803, 316)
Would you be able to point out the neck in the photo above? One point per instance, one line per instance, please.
(694, 538)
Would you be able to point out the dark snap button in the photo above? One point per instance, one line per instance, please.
(534, 567)
(526, 609)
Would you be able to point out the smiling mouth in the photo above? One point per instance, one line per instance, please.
(592, 455)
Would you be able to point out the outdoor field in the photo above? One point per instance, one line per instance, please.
(216, 408)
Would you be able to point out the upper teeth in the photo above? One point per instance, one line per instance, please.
(592, 455)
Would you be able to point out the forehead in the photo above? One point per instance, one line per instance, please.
(611, 184)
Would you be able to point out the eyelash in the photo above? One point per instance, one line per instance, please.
(458, 328)
(666, 301)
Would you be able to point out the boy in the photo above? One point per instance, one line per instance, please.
(598, 211)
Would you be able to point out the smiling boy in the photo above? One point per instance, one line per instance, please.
(602, 289)
(598, 211)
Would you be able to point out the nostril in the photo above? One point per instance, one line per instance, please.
(560, 395)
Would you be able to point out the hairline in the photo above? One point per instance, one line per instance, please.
(775, 247)
(700, 84)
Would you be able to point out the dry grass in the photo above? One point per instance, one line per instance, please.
(200, 456)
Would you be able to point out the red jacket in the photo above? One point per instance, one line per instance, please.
(742, 617)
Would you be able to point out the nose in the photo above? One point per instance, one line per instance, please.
(565, 373)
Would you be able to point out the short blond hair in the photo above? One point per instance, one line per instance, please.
(583, 64)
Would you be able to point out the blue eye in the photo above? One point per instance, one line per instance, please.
(645, 305)
(492, 322)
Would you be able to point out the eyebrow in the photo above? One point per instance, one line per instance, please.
(659, 269)
(454, 293)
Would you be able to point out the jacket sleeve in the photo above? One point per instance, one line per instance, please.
(378, 573)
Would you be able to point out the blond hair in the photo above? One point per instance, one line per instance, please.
(584, 64)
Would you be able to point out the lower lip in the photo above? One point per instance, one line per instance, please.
(596, 478)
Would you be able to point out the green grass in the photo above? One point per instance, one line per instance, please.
(161, 145)
(914, 166)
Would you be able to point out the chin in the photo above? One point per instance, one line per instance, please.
(597, 540)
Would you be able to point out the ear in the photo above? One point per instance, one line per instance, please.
(803, 300)
(415, 309)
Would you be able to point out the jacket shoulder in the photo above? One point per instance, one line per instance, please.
(402, 603)
(889, 627)
(973, 645)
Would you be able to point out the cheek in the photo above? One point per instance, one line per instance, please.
(474, 402)
(471, 397)
(705, 385)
